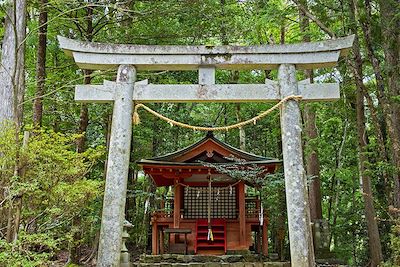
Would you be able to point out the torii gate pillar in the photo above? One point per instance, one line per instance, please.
(298, 210)
(117, 169)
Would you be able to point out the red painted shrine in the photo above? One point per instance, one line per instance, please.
(206, 217)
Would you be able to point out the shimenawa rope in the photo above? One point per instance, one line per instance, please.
(136, 118)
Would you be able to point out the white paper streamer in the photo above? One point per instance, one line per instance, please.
(146, 206)
(261, 215)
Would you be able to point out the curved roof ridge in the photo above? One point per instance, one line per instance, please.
(246, 155)
(181, 151)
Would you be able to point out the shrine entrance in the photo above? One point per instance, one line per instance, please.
(131, 58)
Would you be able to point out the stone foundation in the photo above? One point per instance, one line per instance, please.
(169, 260)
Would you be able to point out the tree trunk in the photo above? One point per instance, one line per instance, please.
(83, 124)
(22, 170)
(40, 65)
(83, 119)
(311, 158)
(12, 69)
(372, 225)
(380, 117)
(107, 135)
(12, 81)
(242, 134)
(84, 114)
(390, 24)
(75, 250)
(312, 164)
(373, 232)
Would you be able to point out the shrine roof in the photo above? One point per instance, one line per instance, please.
(190, 163)
(208, 149)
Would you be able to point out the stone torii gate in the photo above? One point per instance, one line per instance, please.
(128, 59)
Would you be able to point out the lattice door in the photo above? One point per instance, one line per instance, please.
(223, 203)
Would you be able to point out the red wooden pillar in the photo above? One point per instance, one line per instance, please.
(154, 239)
(177, 204)
(265, 237)
(161, 241)
(242, 215)
(259, 231)
(177, 211)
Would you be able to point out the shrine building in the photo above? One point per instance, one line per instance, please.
(209, 212)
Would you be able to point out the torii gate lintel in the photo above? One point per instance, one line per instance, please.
(130, 58)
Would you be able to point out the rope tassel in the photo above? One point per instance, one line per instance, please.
(135, 117)
(210, 236)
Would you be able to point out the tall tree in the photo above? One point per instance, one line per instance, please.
(12, 69)
(40, 64)
(375, 247)
(312, 160)
(84, 114)
(390, 23)
(381, 115)
(12, 85)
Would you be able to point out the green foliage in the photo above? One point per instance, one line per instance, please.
(28, 250)
(394, 245)
(54, 192)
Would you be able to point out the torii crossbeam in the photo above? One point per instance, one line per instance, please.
(131, 58)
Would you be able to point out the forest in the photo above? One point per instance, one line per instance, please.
(53, 150)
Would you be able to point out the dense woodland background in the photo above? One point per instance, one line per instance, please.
(51, 184)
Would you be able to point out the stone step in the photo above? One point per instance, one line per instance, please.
(216, 264)
(177, 258)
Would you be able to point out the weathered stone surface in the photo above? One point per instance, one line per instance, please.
(207, 75)
(169, 257)
(232, 258)
(206, 93)
(304, 55)
(183, 258)
(310, 60)
(215, 264)
(250, 257)
(70, 45)
(152, 258)
(205, 258)
(117, 170)
(238, 252)
(301, 249)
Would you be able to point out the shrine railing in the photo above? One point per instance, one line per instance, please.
(166, 209)
(252, 207)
